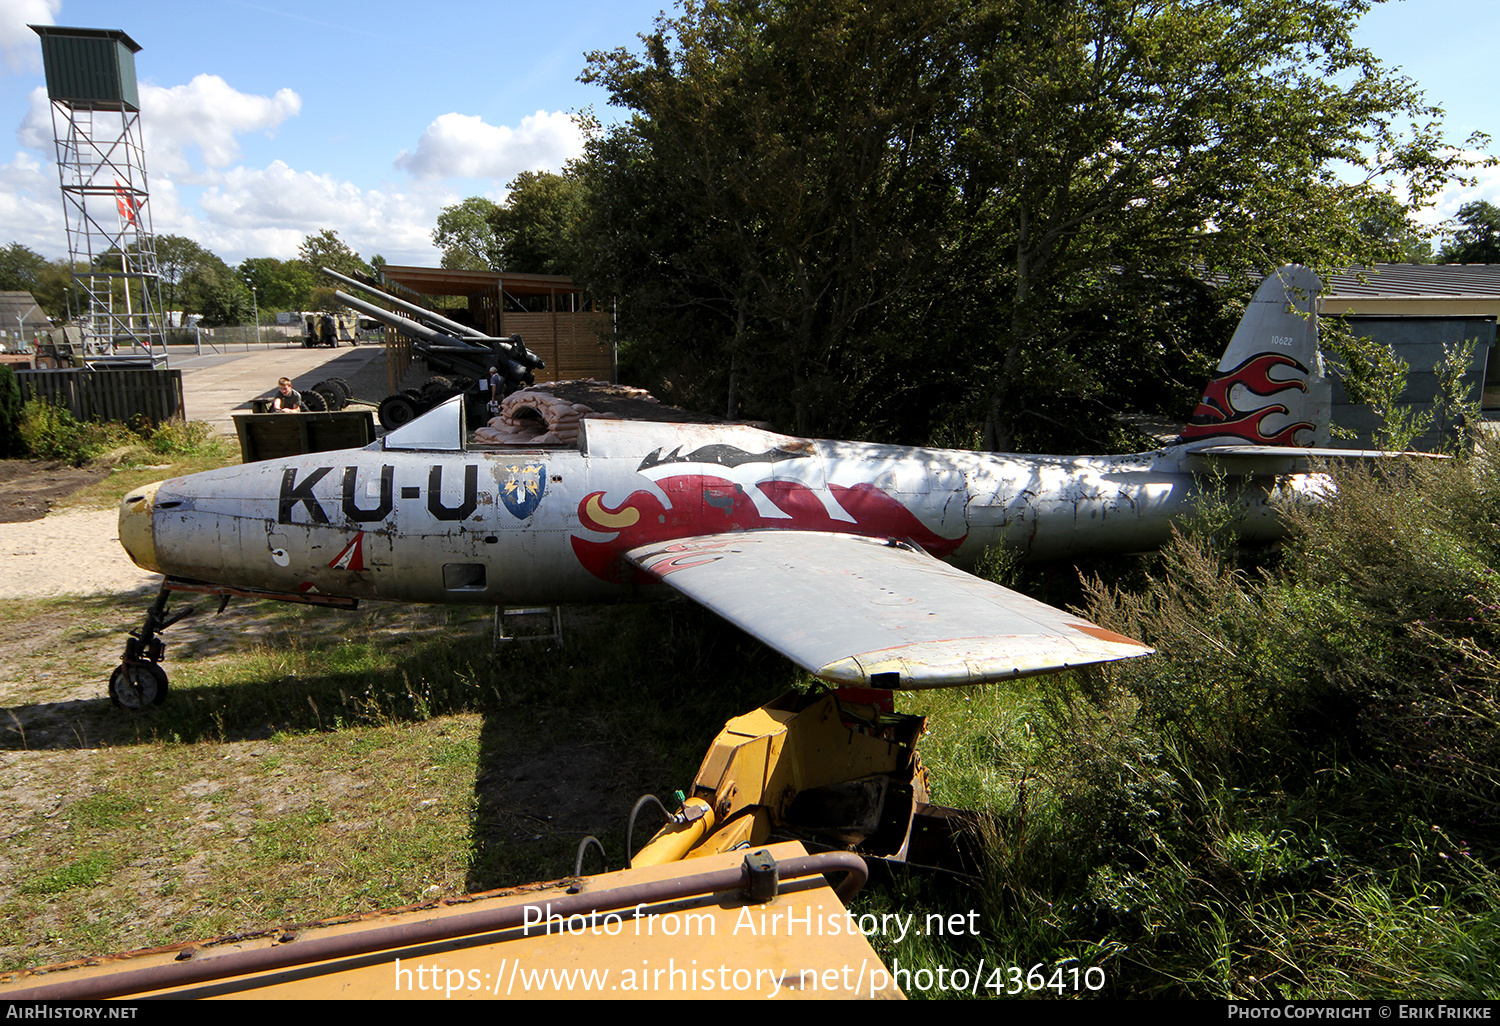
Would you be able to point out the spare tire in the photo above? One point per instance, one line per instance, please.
(394, 411)
(313, 401)
(336, 394)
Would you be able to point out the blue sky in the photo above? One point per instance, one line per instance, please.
(269, 120)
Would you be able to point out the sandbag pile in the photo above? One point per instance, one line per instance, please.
(534, 416)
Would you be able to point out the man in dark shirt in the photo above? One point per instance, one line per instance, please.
(287, 398)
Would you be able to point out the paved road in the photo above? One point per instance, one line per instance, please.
(215, 387)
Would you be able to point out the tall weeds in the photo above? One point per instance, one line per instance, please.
(1298, 794)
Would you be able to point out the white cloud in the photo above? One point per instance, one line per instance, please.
(31, 206)
(463, 146)
(268, 211)
(206, 114)
(1486, 187)
(36, 127)
(21, 48)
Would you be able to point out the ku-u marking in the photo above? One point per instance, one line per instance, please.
(297, 492)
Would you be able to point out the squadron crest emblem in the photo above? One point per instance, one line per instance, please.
(521, 488)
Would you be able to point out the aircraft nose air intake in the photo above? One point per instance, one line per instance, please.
(137, 532)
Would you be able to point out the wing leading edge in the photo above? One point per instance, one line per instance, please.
(873, 612)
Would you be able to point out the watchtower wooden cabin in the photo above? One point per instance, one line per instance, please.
(550, 313)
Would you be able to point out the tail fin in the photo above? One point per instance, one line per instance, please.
(1269, 388)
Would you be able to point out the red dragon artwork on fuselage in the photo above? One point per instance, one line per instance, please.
(1216, 415)
(704, 504)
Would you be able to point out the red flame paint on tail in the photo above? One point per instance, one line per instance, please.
(1217, 415)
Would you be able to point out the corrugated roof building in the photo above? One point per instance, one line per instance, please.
(1422, 312)
(20, 318)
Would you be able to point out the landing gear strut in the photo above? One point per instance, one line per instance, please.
(139, 681)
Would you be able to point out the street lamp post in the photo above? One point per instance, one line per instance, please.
(255, 304)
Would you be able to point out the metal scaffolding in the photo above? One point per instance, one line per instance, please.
(101, 168)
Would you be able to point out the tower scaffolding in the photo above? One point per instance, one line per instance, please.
(101, 167)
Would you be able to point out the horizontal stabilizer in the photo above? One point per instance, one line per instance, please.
(1249, 459)
(873, 612)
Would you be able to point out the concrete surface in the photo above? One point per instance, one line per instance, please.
(215, 387)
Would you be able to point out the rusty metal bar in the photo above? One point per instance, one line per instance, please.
(428, 931)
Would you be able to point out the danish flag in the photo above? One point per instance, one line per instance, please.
(127, 202)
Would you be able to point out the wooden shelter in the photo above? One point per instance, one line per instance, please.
(550, 313)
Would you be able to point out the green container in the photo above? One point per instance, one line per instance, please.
(90, 69)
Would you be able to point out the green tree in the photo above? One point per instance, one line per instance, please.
(214, 290)
(1387, 222)
(326, 249)
(466, 237)
(176, 258)
(1110, 134)
(21, 268)
(537, 228)
(800, 146)
(55, 289)
(882, 198)
(278, 284)
(1477, 240)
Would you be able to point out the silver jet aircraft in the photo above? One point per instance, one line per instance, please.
(844, 556)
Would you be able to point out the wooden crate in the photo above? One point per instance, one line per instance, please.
(267, 436)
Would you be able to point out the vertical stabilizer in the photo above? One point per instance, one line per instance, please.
(1269, 388)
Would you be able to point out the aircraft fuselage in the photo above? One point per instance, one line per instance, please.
(550, 526)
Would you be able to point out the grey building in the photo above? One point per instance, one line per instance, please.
(20, 319)
(1419, 311)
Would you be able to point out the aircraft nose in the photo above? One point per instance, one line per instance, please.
(137, 531)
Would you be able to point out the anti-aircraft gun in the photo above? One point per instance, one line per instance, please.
(447, 346)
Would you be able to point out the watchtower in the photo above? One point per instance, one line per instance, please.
(101, 166)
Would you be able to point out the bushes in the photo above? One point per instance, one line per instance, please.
(1376, 638)
(10, 412)
(51, 432)
(1309, 760)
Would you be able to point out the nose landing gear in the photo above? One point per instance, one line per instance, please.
(139, 682)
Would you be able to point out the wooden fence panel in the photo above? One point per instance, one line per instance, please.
(117, 395)
(575, 345)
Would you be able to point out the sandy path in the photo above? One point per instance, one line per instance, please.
(79, 553)
(73, 553)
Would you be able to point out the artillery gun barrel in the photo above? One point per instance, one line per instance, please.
(438, 320)
(437, 340)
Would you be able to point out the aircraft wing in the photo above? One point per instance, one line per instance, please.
(876, 612)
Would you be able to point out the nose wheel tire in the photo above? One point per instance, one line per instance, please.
(137, 686)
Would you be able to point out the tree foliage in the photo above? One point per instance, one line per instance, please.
(50, 282)
(326, 249)
(278, 284)
(1477, 240)
(213, 289)
(1387, 222)
(466, 237)
(535, 231)
(536, 228)
(21, 268)
(868, 203)
(176, 258)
